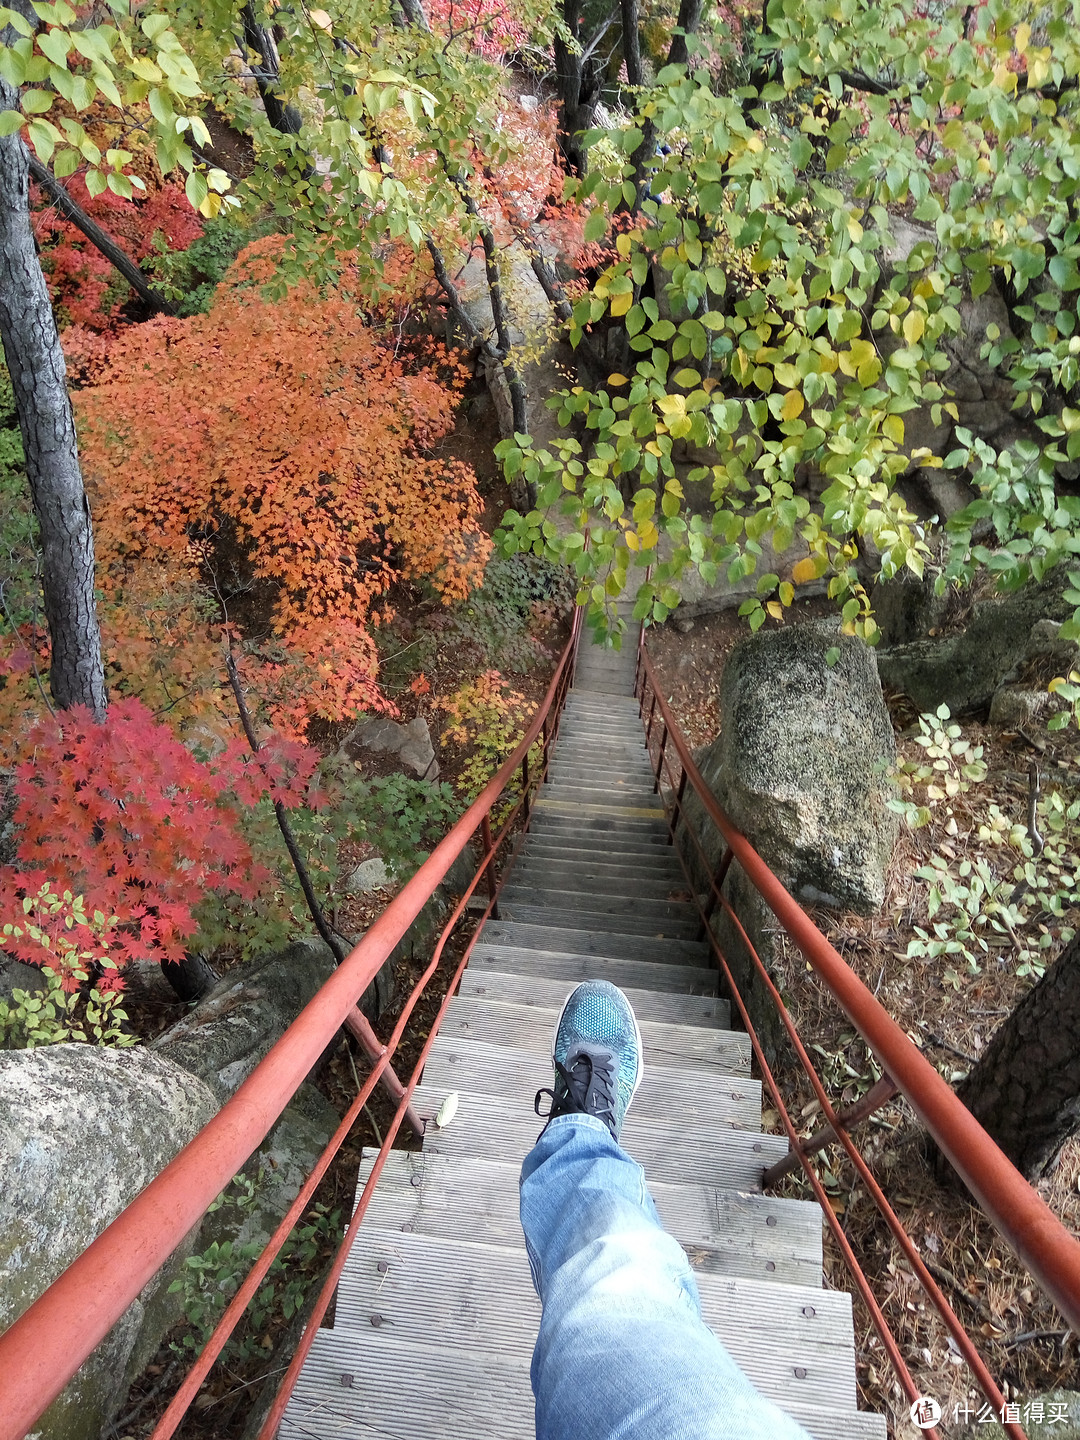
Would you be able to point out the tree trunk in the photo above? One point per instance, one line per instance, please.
(97, 237)
(1025, 1090)
(36, 363)
(578, 83)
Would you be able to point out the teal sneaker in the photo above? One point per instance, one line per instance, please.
(597, 1056)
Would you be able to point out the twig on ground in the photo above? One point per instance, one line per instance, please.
(960, 1289)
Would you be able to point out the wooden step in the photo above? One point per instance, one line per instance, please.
(613, 944)
(424, 1392)
(632, 816)
(549, 995)
(570, 967)
(724, 1232)
(599, 902)
(635, 798)
(795, 1343)
(549, 875)
(544, 838)
(568, 818)
(498, 1129)
(701, 1097)
(523, 1027)
(661, 866)
(651, 927)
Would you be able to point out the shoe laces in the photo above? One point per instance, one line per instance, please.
(587, 1088)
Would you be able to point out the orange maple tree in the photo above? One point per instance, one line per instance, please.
(286, 441)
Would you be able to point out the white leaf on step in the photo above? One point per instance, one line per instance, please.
(447, 1110)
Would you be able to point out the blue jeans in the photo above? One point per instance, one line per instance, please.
(623, 1353)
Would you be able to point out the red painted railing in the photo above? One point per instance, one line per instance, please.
(44, 1348)
(1041, 1241)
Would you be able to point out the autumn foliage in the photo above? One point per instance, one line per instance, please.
(83, 284)
(285, 443)
(124, 814)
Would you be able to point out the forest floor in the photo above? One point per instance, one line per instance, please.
(950, 1007)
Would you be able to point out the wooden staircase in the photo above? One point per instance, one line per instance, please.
(436, 1314)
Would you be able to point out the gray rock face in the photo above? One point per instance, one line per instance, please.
(411, 744)
(82, 1131)
(228, 1033)
(369, 875)
(964, 670)
(799, 763)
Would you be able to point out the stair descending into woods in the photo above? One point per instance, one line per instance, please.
(436, 1315)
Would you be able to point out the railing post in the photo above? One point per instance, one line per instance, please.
(525, 805)
(676, 814)
(356, 1023)
(717, 882)
(660, 760)
(489, 864)
(648, 726)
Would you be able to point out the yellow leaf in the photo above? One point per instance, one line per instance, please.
(1005, 79)
(321, 19)
(620, 304)
(775, 609)
(622, 243)
(792, 407)
(617, 380)
(1023, 35)
(1037, 71)
(672, 404)
(632, 542)
(914, 325)
(893, 428)
(786, 375)
(649, 534)
(854, 229)
(786, 592)
(808, 569)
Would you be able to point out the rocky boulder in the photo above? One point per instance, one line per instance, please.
(411, 744)
(800, 760)
(228, 1033)
(82, 1130)
(964, 669)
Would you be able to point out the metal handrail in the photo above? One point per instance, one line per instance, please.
(42, 1350)
(1050, 1252)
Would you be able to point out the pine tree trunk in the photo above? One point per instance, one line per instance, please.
(36, 362)
(1025, 1089)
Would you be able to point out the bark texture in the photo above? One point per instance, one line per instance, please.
(579, 83)
(36, 362)
(98, 237)
(1025, 1089)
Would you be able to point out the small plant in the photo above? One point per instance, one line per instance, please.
(70, 1008)
(519, 594)
(488, 717)
(950, 768)
(212, 1277)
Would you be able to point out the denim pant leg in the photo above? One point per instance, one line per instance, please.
(623, 1353)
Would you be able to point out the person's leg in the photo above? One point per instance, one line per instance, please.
(622, 1353)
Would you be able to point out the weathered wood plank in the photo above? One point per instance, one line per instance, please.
(363, 1386)
(571, 966)
(725, 1232)
(616, 946)
(794, 1343)
(704, 1101)
(713, 1052)
(548, 995)
(498, 1129)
